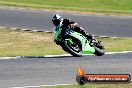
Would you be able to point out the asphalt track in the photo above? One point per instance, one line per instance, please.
(62, 70)
(116, 26)
(59, 70)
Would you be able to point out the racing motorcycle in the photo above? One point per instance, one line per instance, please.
(77, 44)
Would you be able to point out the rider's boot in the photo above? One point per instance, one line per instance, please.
(91, 39)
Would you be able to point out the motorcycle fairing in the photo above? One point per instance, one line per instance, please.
(86, 48)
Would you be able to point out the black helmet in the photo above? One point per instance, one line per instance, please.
(56, 19)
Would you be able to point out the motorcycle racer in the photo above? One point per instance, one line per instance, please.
(67, 23)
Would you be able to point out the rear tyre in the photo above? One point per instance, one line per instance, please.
(74, 49)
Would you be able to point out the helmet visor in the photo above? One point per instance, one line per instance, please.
(56, 22)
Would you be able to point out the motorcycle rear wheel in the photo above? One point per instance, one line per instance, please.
(74, 49)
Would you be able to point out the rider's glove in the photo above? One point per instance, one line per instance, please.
(72, 25)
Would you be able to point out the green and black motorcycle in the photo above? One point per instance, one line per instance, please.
(76, 44)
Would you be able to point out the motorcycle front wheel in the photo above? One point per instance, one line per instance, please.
(99, 49)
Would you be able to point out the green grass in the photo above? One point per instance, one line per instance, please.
(20, 43)
(117, 44)
(104, 6)
(94, 86)
(23, 43)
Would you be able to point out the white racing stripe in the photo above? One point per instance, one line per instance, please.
(43, 86)
(8, 58)
(118, 52)
(62, 55)
(88, 54)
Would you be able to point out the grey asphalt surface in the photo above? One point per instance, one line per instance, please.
(116, 26)
(59, 70)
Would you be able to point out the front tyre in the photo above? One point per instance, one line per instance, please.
(99, 49)
(73, 46)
